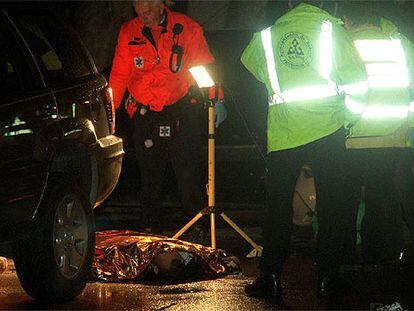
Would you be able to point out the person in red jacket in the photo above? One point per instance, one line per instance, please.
(152, 59)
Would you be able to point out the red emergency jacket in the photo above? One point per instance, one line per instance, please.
(144, 69)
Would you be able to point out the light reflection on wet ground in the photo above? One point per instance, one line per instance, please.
(219, 294)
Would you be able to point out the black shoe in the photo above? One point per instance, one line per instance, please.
(266, 286)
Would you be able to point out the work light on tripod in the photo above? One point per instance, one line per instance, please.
(215, 97)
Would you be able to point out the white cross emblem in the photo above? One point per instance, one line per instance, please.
(139, 62)
(165, 131)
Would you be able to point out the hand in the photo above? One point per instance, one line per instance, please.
(220, 114)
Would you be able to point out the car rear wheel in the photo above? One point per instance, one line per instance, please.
(53, 264)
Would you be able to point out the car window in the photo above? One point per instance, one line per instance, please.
(54, 47)
(10, 82)
(19, 75)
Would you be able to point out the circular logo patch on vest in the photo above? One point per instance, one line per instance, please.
(295, 50)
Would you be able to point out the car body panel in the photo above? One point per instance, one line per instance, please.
(24, 157)
(61, 128)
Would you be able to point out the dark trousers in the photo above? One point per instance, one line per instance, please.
(182, 147)
(325, 157)
(375, 169)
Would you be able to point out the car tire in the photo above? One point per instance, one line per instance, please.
(53, 263)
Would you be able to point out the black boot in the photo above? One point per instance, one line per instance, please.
(266, 286)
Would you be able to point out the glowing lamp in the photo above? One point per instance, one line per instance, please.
(201, 76)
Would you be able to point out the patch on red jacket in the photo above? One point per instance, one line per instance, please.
(139, 62)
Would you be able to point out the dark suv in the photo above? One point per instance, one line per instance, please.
(58, 156)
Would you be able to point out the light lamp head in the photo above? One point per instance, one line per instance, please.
(201, 76)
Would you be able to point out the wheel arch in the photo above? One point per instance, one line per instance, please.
(77, 162)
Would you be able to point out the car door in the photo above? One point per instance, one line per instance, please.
(27, 110)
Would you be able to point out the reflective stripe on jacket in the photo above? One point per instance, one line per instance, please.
(308, 64)
(144, 68)
(386, 55)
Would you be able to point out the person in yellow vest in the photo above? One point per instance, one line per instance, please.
(379, 140)
(310, 68)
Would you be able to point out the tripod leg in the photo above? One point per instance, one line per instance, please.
(241, 232)
(188, 225)
(213, 230)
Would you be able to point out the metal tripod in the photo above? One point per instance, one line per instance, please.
(211, 209)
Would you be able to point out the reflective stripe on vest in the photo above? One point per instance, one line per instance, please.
(325, 50)
(352, 91)
(386, 67)
(388, 112)
(353, 105)
(385, 63)
(271, 65)
(303, 93)
(378, 111)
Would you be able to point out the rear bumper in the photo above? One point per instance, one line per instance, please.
(109, 153)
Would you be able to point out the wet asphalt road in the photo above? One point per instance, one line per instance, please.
(220, 294)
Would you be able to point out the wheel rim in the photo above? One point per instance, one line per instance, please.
(70, 236)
